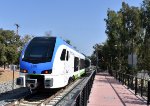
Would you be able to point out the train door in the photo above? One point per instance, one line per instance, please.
(76, 67)
(70, 63)
(67, 64)
(71, 60)
(63, 59)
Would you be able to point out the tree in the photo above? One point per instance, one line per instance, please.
(145, 50)
(113, 31)
(3, 58)
(123, 30)
(9, 43)
(132, 26)
(26, 39)
(100, 56)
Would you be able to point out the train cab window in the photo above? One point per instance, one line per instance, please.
(63, 55)
(40, 50)
(76, 64)
(67, 57)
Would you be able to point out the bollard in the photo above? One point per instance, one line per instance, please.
(116, 74)
(136, 85)
(128, 81)
(119, 77)
(132, 83)
(122, 78)
(142, 87)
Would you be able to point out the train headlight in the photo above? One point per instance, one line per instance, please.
(23, 71)
(46, 72)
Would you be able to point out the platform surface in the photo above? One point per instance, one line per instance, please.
(107, 91)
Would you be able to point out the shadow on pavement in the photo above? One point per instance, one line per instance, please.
(10, 96)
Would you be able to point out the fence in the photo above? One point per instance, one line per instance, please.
(139, 85)
(81, 97)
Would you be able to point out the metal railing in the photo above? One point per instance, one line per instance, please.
(81, 94)
(139, 85)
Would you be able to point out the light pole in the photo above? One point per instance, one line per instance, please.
(17, 25)
(13, 66)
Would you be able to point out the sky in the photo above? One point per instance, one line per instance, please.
(80, 21)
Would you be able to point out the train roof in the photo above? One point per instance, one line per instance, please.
(57, 38)
(60, 41)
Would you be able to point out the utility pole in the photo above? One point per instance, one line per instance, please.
(17, 26)
(13, 66)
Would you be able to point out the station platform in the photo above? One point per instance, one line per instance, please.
(107, 91)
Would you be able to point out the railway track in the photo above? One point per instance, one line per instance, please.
(53, 97)
(37, 99)
(43, 98)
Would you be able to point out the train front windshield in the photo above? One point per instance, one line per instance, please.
(40, 50)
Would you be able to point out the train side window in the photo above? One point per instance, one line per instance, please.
(87, 63)
(67, 57)
(63, 55)
(82, 65)
(76, 64)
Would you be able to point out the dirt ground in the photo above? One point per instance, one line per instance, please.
(7, 75)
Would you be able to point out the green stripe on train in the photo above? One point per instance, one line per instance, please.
(76, 76)
(81, 73)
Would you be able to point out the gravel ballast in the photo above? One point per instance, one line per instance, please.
(7, 95)
(7, 86)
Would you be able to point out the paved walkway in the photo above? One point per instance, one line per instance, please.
(107, 91)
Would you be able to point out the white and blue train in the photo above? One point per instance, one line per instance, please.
(50, 62)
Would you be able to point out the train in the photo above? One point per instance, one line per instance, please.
(49, 63)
